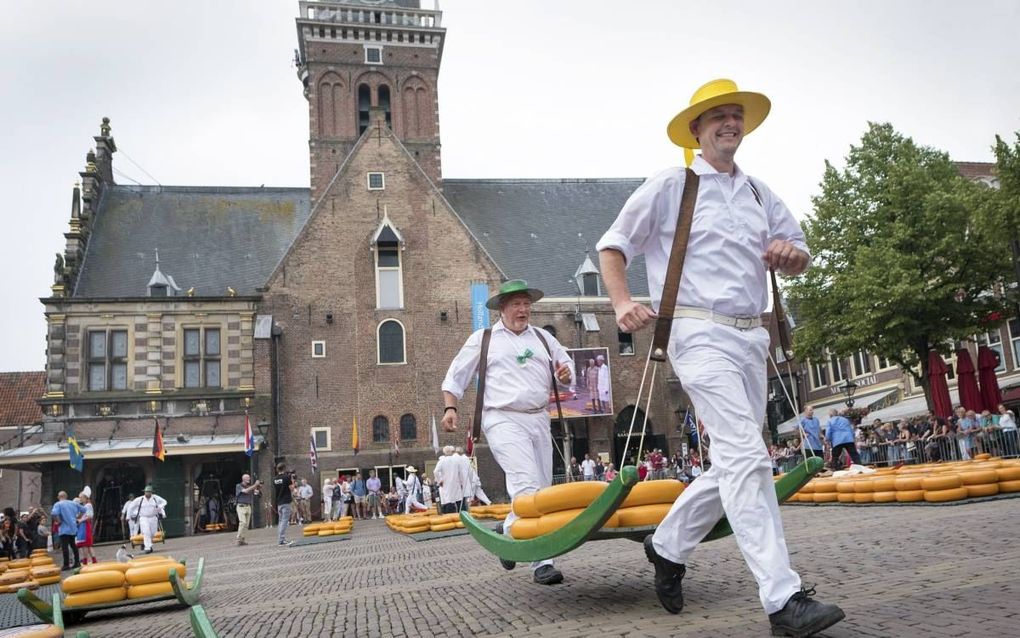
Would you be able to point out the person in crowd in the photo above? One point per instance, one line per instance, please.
(574, 471)
(476, 487)
(447, 478)
(360, 492)
(412, 484)
(83, 537)
(66, 514)
(393, 499)
(244, 499)
(132, 525)
(305, 492)
(401, 487)
(8, 536)
(463, 465)
(1008, 427)
(588, 468)
(905, 442)
(283, 492)
(840, 434)
(327, 500)
(610, 472)
(374, 486)
(591, 381)
(147, 510)
(812, 432)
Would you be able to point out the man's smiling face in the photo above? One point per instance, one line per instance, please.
(720, 130)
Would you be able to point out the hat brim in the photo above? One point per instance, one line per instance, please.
(496, 301)
(756, 109)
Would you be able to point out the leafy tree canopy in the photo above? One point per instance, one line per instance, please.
(906, 255)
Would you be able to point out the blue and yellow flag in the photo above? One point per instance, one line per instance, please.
(77, 458)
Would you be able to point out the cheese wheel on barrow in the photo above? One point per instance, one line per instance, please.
(92, 580)
(568, 496)
(95, 597)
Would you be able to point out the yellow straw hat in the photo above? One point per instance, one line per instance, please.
(713, 94)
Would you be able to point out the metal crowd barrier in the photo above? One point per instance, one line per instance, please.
(1001, 443)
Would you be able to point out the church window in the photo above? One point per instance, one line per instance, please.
(389, 278)
(408, 428)
(318, 349)
(384, 103)
(376, 181)
(364, 104)
(391, 342)
(380, 429)
(201, 357)
(373, 54)
(107, 360)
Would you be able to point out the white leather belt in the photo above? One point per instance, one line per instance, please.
(740, 323)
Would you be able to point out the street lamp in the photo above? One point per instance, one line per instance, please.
(848, 388)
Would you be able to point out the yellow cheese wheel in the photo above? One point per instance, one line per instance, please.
(14, 587)
(846, 486)
(642, 515)
(96, 597)
(909, 496)
(979, 477)
(653, 493)
(150, 589)
(862, 486)
(823, 486)
(983, 456)
(338, 531)
(939, 483)
(809, 488)
(942, 496)
(38, 552)
(48, 580)
(883, 484)
(14, 576)
(20, 563)
(152, 573)
(325, 532)
(41, 561)
(343, 528)
(92, 581)
(45, 570)
(148, 558)
(568, 496)
(987, 489)
(908, 483)
(524, 506)
(314, 527)
(1008, 473)
(444, 527)
(105, 566)
(552, 522)
(864, 497)
(41, 631)
(1006, 487)
(824, 497)
(844, 497)
(524, 528)
(885, 497)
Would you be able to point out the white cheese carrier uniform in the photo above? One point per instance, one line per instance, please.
(721, 367)
(515, 420)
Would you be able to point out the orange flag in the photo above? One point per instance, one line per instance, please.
(158, 450)
(354, 435)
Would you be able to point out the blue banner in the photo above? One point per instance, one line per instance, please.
(479, 313)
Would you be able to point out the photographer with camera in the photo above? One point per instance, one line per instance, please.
(284, 487)
(244, 498)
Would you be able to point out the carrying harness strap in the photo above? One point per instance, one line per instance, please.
(483, 361)
(675, 268)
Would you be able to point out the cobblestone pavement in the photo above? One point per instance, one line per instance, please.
(918, 571)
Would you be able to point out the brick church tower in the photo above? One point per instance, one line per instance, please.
(363, 59)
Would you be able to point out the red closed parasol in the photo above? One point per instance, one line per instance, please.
(938, 387)
(988, 361)
(966, 378)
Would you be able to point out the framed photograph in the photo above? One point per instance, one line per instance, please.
(592, 392)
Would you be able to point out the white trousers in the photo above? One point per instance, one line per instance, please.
(149, 526)
(132, 526)
(723, 371)
(523, 447)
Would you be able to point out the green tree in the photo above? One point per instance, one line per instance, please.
(904, 259)
(1004, 215)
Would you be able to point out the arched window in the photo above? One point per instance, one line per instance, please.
(380, 429)
(364, 103)
(391, 342)
(384, 103)
(408, 428)
(389, 277)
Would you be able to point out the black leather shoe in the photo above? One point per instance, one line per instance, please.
(548, 575)
(668, 579)
(804, 616)
(504, 563)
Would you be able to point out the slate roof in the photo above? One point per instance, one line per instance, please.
(18, 392)
(208, 238)
(531, 226)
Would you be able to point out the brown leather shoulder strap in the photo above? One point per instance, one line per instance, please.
(675, 268)
(483, 363)
(782, 326)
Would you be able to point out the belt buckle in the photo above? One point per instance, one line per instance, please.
(742, 323)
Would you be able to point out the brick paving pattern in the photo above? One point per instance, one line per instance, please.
(937, 571)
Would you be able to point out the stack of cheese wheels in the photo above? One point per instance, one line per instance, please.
(497, 511)
(39, 631)
(138, 539)
(443, 522)
(343, 525)
(44, 571)
(311, 529)
(17, 578)
(152, 578)
(551, 508)
(410, 523)
(929, 482)
(94, 588)
(215, 527)
(479, 512)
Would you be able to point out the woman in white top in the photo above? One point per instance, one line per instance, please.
(1007, 423)
(84, 540)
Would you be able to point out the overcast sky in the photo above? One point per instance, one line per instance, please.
(204, 93)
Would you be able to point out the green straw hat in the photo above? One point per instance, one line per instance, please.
(513, 287)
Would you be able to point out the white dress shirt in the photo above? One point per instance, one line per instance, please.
(723, 270)
(509, 384)
(143, 507)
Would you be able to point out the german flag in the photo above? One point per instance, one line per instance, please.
(158, 450)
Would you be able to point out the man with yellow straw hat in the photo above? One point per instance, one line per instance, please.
(737, 230)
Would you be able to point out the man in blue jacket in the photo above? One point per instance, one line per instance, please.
(66, 514)
(812, 433)
(840, 434)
